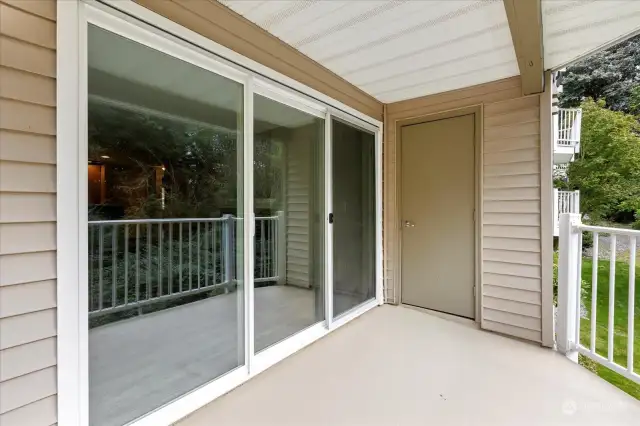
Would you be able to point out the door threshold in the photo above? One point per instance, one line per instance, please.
(443, 315)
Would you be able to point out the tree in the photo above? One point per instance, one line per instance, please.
(608, 169)
(611, 74)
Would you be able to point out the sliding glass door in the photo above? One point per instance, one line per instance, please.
(354, 216)
(229, 220)
(165, 210)
(288, 174)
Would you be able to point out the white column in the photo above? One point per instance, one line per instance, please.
(556, 211)
(568, 278)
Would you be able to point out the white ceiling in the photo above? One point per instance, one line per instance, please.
(402, 49)
(395, 50)
(572, 29)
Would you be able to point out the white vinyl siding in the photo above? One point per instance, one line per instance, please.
(511, 284)
(27, 213)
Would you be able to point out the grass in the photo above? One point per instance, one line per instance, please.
(620, 320)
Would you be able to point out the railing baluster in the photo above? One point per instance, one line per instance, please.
(215, 252)
(92, 243)
(180, 258)
(632, 296)
(148, 261)
(137, 262)
(578, 291)
(159, 259)
(594, 291)
(198, 251)
(100, 267)
(114, 264)
(190, 261)
(262, 251)
(170, 272)
(206, 253)
(612, 294)
(126, 264)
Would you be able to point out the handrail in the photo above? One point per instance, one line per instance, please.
(606, 230)
(145, 221)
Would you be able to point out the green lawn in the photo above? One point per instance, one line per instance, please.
(620, 320)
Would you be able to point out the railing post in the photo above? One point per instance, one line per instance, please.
(556, 128)
(576, 200)
(568, 275)
(556, 211)
(281, 248)
(227, 249)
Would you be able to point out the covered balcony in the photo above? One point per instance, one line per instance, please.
(398, 365)
(566, 141)
(564, 202)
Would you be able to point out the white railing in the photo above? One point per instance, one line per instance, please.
(560, 169)
(567, 125)
(138, 262)
(564, 202)
(570, 295)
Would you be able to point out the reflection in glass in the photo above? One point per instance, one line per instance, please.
(165, 225)
(288, 203)
(354, 190)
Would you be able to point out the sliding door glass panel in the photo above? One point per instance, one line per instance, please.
(354, 201)
(288, 175)
(165, 227)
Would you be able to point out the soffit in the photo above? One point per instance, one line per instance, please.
(572, 29)
(394, 50)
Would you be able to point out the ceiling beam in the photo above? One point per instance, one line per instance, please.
(525, 23)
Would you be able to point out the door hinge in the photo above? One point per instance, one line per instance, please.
(474, 290)
(330, 217)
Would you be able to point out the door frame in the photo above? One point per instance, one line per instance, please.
(477, 111)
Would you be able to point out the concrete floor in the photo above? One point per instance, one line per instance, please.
(142, 363)
(399, 366)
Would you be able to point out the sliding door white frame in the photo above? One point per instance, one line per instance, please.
(73, 355)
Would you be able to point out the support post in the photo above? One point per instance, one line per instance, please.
(568, 285)
(281, 248)
(556, 211)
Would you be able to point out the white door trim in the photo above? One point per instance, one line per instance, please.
(477, 111)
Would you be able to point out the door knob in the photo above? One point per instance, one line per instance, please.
(409, 224)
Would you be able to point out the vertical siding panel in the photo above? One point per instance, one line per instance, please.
(27, 212)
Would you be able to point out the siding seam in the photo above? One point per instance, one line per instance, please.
(22, 101)
(28, 12)
(36, 311)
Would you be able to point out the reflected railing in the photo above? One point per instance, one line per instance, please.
(139, 262)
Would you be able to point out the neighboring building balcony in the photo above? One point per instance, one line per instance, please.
(564, 202)
(566, 140)
(560, 170)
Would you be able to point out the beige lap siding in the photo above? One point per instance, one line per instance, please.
(27, 213)
(511, 214)
(511, 281)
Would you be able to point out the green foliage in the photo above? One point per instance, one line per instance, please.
(620, 319)
(607, 173)
(611, 74)
(200, 175)
(634, 101)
